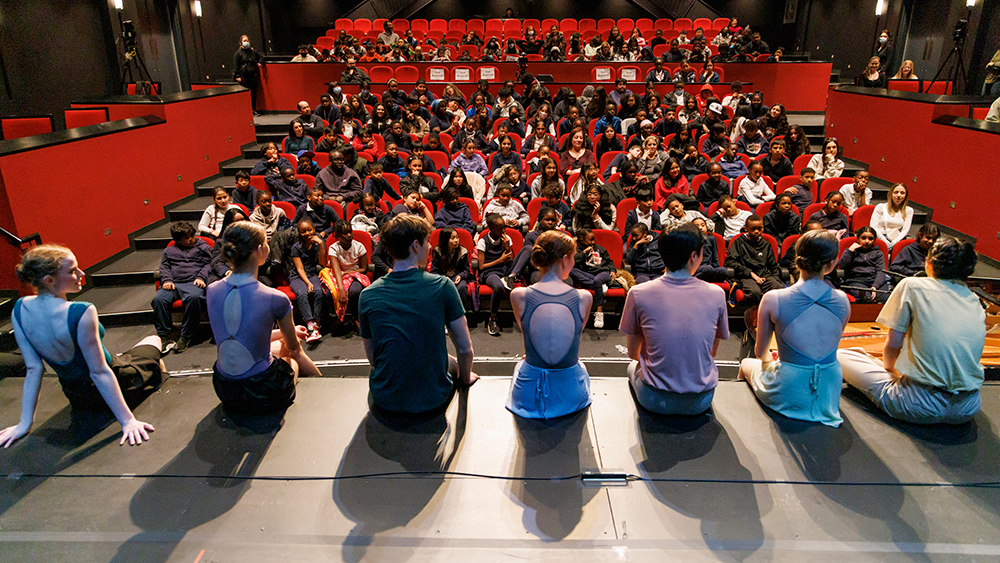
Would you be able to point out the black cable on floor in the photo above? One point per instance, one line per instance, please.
(578, 476)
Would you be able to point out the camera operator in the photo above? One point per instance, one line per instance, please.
(246, 69)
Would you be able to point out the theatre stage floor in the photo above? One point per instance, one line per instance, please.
(327, 481)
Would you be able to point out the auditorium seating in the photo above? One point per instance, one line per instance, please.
(512, 28)
(15, 127)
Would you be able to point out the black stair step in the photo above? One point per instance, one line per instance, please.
(190, 210)
(235, 166)
(136, 268)
(154, 239)
(121, 305)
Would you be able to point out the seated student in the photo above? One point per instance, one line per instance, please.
(308, 253)
(413, 204)
(377, 186)
(632, 154)
(458, 180)
(369, 217)
(391, 161)
(830, 216)
(510, 175)
(510, 209)
(521, 269)
(693, 163)
(257, 367)
(827, 165)
(418, 151)
(753, 262)
(451, 260)
(675, 215)
(911, 259)
(539, 138)
(211, 220)
(416, 179)
(398, 137)
(68, 336)
(752, 143)
(551, 318)
(329, 142)
(715, 143)
(470, 131)
(780, 222)
(589, 212)
(403, 318)
(267, 215)
(590, 175)
(306, 164)
(348, 259)
(863, 263)
(297, 140)
(804, 381)
(930, 371)
(753, 190)
(801, 193)
(469, 161)
(593, 269)
(732, 165)
(287, 187)
(729, 219)
(709, 269)
(548, 173)
(433, 143)
(495, 256)
(892, 220)
(217, 266)
(776, 164)
(714, 187)
(244, 194)
(339, 182)
(454, 213)
(505, 153)
(270, 162)
(858, 193)
(644, 254)
(322, 216)
(643, 212)
(553, 193)
(672, 369)
(183, 273)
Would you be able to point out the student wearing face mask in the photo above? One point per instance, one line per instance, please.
(246, 69)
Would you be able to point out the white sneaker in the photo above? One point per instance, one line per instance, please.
(598, 320)
(314, 335)
(605, 288)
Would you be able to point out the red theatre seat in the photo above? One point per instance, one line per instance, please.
(363, 24)
(407, 74)
(720, 23)
(380, 74)
(567, 25)
(479, 26)
(683, 24)
(346, 24)
(588, 23)
(439, 25)
(83, 117)
(419, 25)
(548, 23)
(664, 24)
(644, 25)
(16, 127)
(704, 23)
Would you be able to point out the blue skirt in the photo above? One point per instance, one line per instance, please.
(548, 393)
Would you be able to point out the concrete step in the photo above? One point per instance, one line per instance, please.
(232, 168)
(190, 210)
(121, 305)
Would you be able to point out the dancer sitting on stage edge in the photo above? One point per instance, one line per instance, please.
(257, 367)
(551, 381)
(807, 320)
(403, 317)
(930, 370)
(67, 335)
(674, 324)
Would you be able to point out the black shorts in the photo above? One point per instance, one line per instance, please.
(137, 371)
(268, 391)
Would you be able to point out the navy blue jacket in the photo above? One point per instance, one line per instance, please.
(460, 218)
(645, 259)
(294, 194)
(323, 218)
(633, 217)
(184, 265)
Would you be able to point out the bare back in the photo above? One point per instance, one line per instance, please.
(808, 320)
(552, 321)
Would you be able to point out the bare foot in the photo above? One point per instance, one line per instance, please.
(473, 378)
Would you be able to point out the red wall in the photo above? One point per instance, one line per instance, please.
(799, 86)
(71, 192)
(950, 164)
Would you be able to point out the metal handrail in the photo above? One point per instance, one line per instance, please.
(20, 242)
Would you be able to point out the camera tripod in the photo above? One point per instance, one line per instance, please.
(958, 64)
(133, 67)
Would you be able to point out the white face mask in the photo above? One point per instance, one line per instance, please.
(246, 44)
(882, 39)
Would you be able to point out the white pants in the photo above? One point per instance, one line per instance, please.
(906, 399)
